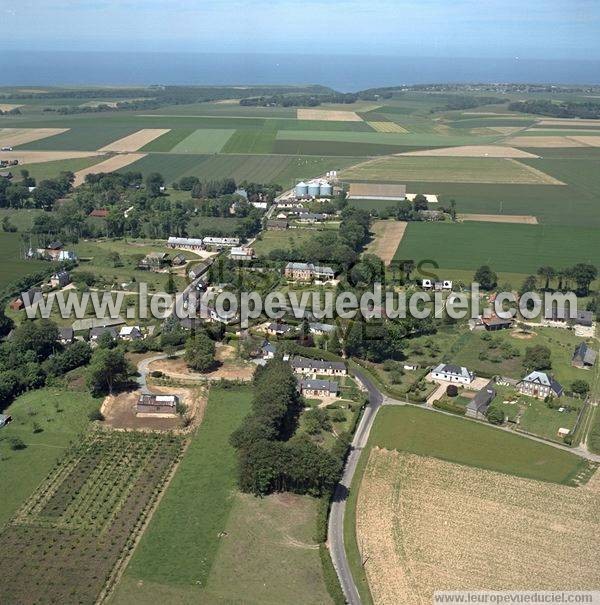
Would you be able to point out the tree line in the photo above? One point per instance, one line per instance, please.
(271, 457)
(563, 109)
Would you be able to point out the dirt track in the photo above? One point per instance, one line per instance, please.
(474, 151)
(388, 235)
(11, 137)
(500, 218)
(425, 525)
(115, 163)
(135, 141)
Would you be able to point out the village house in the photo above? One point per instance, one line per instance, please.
(312, 387)
(131, 333)
(221, 242)
(60, 279)
(186, 243)
(99, 213)
(583, 357)
(277, 225)
(155, 261)
(26, 299)
(178, 260)
(478, 406)
(494, 323)
(452, 373)
(308, 272)
(437, 285)
(96, 333)
(277, 329)
(268, 350)
(156, 406)
(66, 336)
(320, 329)
(242, 253)
(561, 314)
(200, 269)
(304, 365)
(312, 217)
(540, 385)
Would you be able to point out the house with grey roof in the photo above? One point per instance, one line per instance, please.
(562, 314)
(268, 350)
(96, 333)
(308, 272)
(478, 406)
(452, 373)
(304, 365)
(319, 388)
(320, 329)
(66, 336)
(539, 384)
(583, 357)
(156, 406)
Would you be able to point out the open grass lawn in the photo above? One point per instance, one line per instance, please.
(505, 247)
(287, 240)
(447, 169)
(539, 419)
(457, 440)
(204, 140)
(197, 504)
(62, 417)
(21, 218)
(13, 266)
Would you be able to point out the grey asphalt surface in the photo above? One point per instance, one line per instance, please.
(335, 530)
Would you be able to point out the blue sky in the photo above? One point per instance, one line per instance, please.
(552, 29)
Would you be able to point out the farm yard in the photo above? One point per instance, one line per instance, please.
(415, 514)
(65, 542)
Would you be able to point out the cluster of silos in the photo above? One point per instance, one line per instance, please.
(316, 188)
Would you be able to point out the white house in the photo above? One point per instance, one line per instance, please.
(130, 333)
(451, 373)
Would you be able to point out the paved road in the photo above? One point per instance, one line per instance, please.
(335, 533)
(143, 369)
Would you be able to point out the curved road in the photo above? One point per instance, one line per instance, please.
(335, 530)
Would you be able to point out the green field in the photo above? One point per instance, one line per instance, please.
(287, 240)
(88, 136)
(62, 416)
(196, 546)
(446, 169)
(505, 247)
(13, 266)
(49, 170)
(251, 141)
(204, 140)
(167, 141)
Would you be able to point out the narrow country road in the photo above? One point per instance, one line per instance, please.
(335, 532)
(143, 369)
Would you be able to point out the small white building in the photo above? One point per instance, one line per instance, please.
(130, 333)
(221, 242)
(185, 243)
(242, 253)
(451, 373)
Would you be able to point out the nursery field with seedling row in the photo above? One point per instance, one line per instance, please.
(67, 541)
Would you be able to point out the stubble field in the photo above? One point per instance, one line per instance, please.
(425, 525)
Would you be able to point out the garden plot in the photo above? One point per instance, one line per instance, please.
(66, 543)
(425, 525)
(11, 137)
(135, 141)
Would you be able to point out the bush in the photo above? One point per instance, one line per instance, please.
(495, 415)
(452, 390)
(96, 415)
(156, 374)
(16, 443)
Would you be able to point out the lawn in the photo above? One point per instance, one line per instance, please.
(197, 504)
(13, 267)
(203, 140)
(21, 218)
(447, 169)
(505, 247)
(287, 240)
(62, 417)
(457, 440)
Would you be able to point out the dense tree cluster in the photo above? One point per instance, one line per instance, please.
(270, 457)
(18, 195)
(563, 109)
(299, 100)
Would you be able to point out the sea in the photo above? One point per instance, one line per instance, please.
(345, 73)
